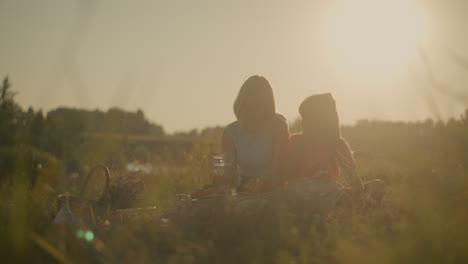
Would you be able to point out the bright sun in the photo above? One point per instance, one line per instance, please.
(376, 37)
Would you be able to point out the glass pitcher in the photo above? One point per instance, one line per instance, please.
(223, 170)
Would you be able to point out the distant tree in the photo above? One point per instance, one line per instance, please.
(31, 128)
(157, 130)
(464, 118)
(191, 133)
(36, 129)
(212, 132)
(10, 114)
(63, 132)
(6, 94)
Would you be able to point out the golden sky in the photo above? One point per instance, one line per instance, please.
(182, 62)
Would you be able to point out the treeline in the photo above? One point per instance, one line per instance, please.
(60, 136)
(62, 129)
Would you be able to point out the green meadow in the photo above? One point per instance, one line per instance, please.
(423, 218)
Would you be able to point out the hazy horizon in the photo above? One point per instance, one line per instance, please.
(182, 62)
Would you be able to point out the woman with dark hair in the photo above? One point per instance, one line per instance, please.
(255, 141)
(314, 157)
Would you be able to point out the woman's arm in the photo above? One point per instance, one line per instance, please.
(229, 152)
(279, 145)
(354, 179)
(347, 162)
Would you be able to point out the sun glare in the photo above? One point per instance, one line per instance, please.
(376, 37)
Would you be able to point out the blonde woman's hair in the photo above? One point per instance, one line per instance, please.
(255, 103)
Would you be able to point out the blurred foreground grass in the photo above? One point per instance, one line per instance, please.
(424, 218)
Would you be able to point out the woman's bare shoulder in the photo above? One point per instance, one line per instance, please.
(231, 129)
(281, 122)
(232, 126)
(281, 117)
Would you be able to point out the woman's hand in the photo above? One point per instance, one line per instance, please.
(357, 188)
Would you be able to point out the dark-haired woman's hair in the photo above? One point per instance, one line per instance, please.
(255, 103)
(320, 119)
(321, 142)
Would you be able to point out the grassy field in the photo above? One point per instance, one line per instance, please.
(423, 219)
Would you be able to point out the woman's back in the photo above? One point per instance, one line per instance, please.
(303, 159)
(253, 150)
(258, 136)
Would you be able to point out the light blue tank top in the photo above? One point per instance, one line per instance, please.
(254, 150)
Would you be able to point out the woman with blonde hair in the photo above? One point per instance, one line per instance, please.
(255, 141)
